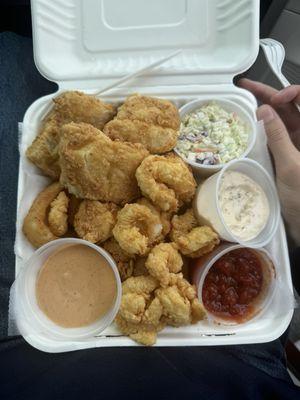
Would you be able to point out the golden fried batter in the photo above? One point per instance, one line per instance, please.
(162, 261)
(137, 229)
(58, 214)
(74, 203)
(96, 168)
(146, 307)
(191, 239)
(142, 333)
(94, 221)
(167, 181)
(145, 285)
(140, 312)
(35, 225)
(180, 303)
(165, 218)
(139, 267)
(151, 121)
(125, 262)
(68, 107)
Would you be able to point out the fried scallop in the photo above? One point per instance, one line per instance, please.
(167, 181)
(150, 121)
(68, 107)
(192, 240)
(35, 226)
(94, 221)
(137, 229)
(140, 312)
(96, 168)
(180, 303)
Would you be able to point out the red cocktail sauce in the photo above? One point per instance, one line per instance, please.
(232, 285)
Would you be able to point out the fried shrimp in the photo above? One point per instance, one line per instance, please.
(163, 261)
(165, 218)
(137, 229)
(125, 262)
(35, 225)
(94, 220)
(58, 214)
(166, 180)
(192, 240)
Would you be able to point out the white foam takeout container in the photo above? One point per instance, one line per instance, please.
(87, 45)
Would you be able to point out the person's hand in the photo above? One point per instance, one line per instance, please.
(282, 124)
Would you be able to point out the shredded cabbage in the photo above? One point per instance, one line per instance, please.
(211, 135)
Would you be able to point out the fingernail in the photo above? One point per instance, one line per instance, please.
(265, 113)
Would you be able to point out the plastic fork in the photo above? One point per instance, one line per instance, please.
(275, 55)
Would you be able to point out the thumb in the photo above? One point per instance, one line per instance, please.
(279, 140)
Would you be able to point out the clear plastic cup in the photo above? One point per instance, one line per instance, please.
(201, 267)
(30, 318)
(207, 209)
(201, 170)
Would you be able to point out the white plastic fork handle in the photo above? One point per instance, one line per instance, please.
(285, 83)
(276, 69)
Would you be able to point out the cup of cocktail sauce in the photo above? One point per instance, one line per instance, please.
(234, 283)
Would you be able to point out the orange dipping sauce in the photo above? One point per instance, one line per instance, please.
(76, 286)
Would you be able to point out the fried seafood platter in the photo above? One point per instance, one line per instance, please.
(118, 184)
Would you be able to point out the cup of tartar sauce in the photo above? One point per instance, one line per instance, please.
(214, 132)
(69, 289)
(240, 203)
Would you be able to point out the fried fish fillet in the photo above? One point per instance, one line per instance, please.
(58, 214)
(151, 121)
(68, 107)
(96, 168)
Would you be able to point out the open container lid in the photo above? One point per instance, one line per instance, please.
(90, 43)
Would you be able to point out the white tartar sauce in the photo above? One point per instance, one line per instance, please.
(243, 204)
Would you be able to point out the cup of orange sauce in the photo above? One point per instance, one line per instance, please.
(234, 283)
(70, 289)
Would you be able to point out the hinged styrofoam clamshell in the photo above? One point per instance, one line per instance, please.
(87, 45)
(93, 42)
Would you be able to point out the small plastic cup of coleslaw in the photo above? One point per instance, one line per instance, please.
(212, 133)
(240, 203)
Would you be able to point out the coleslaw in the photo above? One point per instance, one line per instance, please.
(211, 135)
